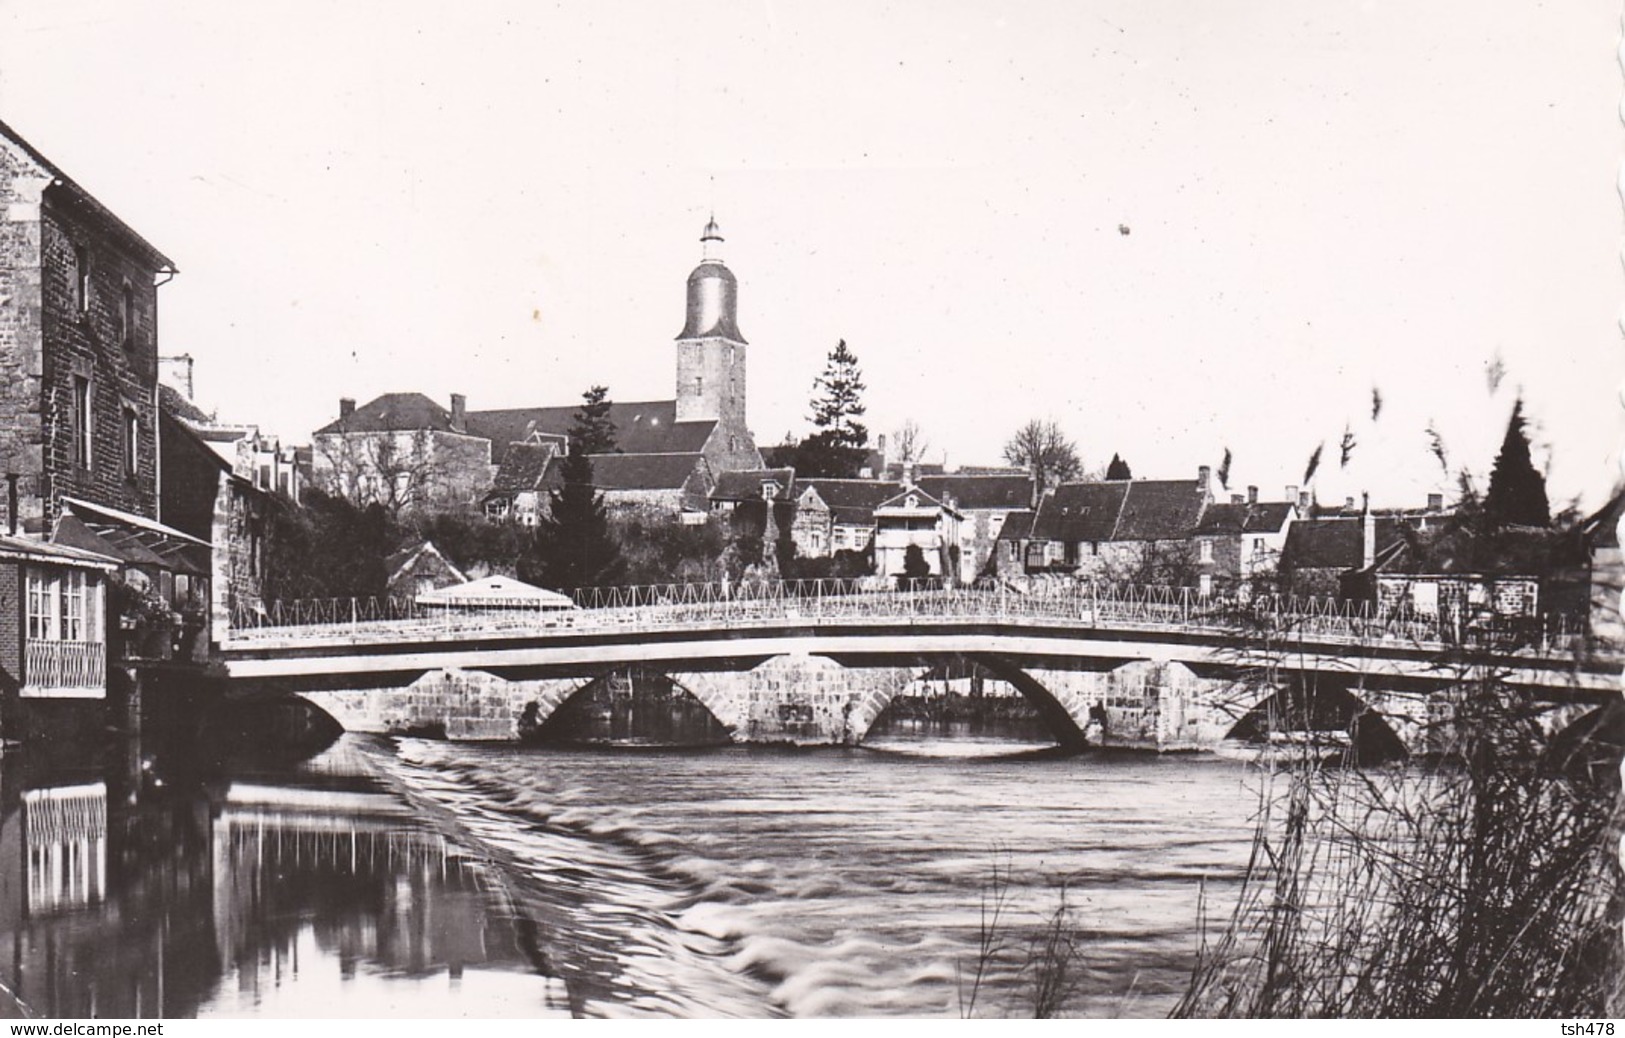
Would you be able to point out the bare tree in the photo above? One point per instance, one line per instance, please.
(911, 442)
(391, 469)
(1044, 450)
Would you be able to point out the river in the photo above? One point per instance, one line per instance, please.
(424, 878)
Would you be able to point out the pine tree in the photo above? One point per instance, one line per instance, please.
(836, 447)
(1517, 492)
(573, 547)
(1118, 469)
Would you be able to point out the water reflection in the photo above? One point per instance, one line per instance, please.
(310, 890)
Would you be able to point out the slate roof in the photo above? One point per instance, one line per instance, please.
(746, 484)
(86, 201)
(1257, 517)
(1160, 510)
(1080, 512)
(1018, 526)
(852, 502)
(522, 467)
(394, 412)
(635, 471)
(641, 427)
(175, 402)
(1334, 543)
(1120, 510)
(982, 492)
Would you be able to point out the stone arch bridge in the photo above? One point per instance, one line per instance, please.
(1150, 668)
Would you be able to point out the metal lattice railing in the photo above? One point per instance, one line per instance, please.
(51, 665)
(628, 610)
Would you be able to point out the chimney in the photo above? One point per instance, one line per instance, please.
(1204, 476)
(908, 473)
(1435, 502)
(1235, 499)
(1348, 504)
(1252, 495)
(1368, 535)
(1303, 500)
(1292, 494)
(459, 408)
(346, 406)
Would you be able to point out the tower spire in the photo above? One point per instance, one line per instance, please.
(711, 241)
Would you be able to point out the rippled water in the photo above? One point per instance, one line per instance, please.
(850, 882)
(429, 879)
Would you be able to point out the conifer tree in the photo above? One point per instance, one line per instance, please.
(837, 445)
(573, 547)
(1118, 469)
(1517, 491)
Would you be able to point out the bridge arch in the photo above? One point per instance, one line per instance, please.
(1331, 711)
(628, 704)
(1064, 721)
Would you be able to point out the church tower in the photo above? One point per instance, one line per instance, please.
(710, 350)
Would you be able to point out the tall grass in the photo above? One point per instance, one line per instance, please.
(1483, 885)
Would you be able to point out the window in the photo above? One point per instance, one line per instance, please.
(81, 421)
(1258, 545)
(132, 442)
(81, 278)
(1206, 551)
(265, 477)
(1205, 584)
(126, 316)
(60, 606)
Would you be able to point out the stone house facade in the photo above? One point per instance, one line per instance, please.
(835, 515)
(1239, 544)
(984, 504)
(402, 451)
(78, 344)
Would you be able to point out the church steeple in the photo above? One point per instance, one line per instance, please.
(711, 352)
(713, 294)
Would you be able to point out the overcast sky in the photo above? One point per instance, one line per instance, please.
(504, 200)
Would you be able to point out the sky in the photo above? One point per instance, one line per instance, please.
(1175, 229)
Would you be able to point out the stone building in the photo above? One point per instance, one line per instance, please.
(403, 451)
(984, 503)
(403, 440)
(733, 489)
(911, 518)
(1138, 531)
(835, 515)
(1239, 543)
(78, 344)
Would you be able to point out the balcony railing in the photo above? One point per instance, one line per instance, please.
(61, 668)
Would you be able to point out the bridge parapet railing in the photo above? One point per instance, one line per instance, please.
(1083, 605)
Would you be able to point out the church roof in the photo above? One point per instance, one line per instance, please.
(641, 427)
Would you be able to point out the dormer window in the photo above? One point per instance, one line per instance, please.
(911, 501)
